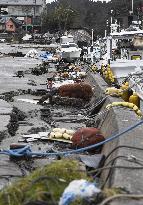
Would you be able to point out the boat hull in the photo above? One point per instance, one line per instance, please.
(71, 55)
(122, 69)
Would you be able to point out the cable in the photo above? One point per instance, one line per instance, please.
(131, 196)
(112, 162)
(116, 167)
(122, 146)
(114, 159)
(109, 174)
(125, 158)
(111, 170)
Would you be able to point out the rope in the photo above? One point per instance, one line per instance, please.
(26, 151)
(131, 196)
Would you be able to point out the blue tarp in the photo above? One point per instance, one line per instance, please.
(45, 56)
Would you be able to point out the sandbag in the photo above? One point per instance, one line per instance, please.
(86, 136)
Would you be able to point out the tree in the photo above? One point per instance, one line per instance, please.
(64, 14)
(59, 19)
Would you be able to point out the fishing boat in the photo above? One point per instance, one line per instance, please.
(127, 58)
(68, 49)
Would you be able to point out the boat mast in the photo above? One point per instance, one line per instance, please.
(92, 37)
(92, 45)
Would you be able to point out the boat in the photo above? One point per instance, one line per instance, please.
(124, 53)
(126, 56)
(129, 59)
(91, 53)
(68, 49)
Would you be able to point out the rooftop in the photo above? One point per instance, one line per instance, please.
(21, 2)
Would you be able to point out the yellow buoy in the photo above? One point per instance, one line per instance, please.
(127, 84)
(135, 99)
(125, 95)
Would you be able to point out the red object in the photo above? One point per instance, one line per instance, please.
(76, 90)
(87, 136)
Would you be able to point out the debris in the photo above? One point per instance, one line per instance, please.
(34, 136)
(76, 90)
(66, 101)
(57, 139)
(16, 54)
(78, 189)
(43, 134)
(32, 54)
(84, 137)
(26, 37)
(46, 56)
(93, 161)
(20, 74)
(31, 140)
(28, 101)
(61, 133)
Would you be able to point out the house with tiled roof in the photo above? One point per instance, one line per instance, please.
(13, 25)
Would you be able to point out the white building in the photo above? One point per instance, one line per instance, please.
(23, 7)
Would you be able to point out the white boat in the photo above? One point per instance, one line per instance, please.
(126, 61)
(129, 59)
(91, 54)
(68, 48)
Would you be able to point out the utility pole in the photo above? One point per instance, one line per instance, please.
(132, 6)
(26, 22)
(34, 14)
(111, 17)
(92, 37)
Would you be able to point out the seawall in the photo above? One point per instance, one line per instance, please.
(112, 122)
